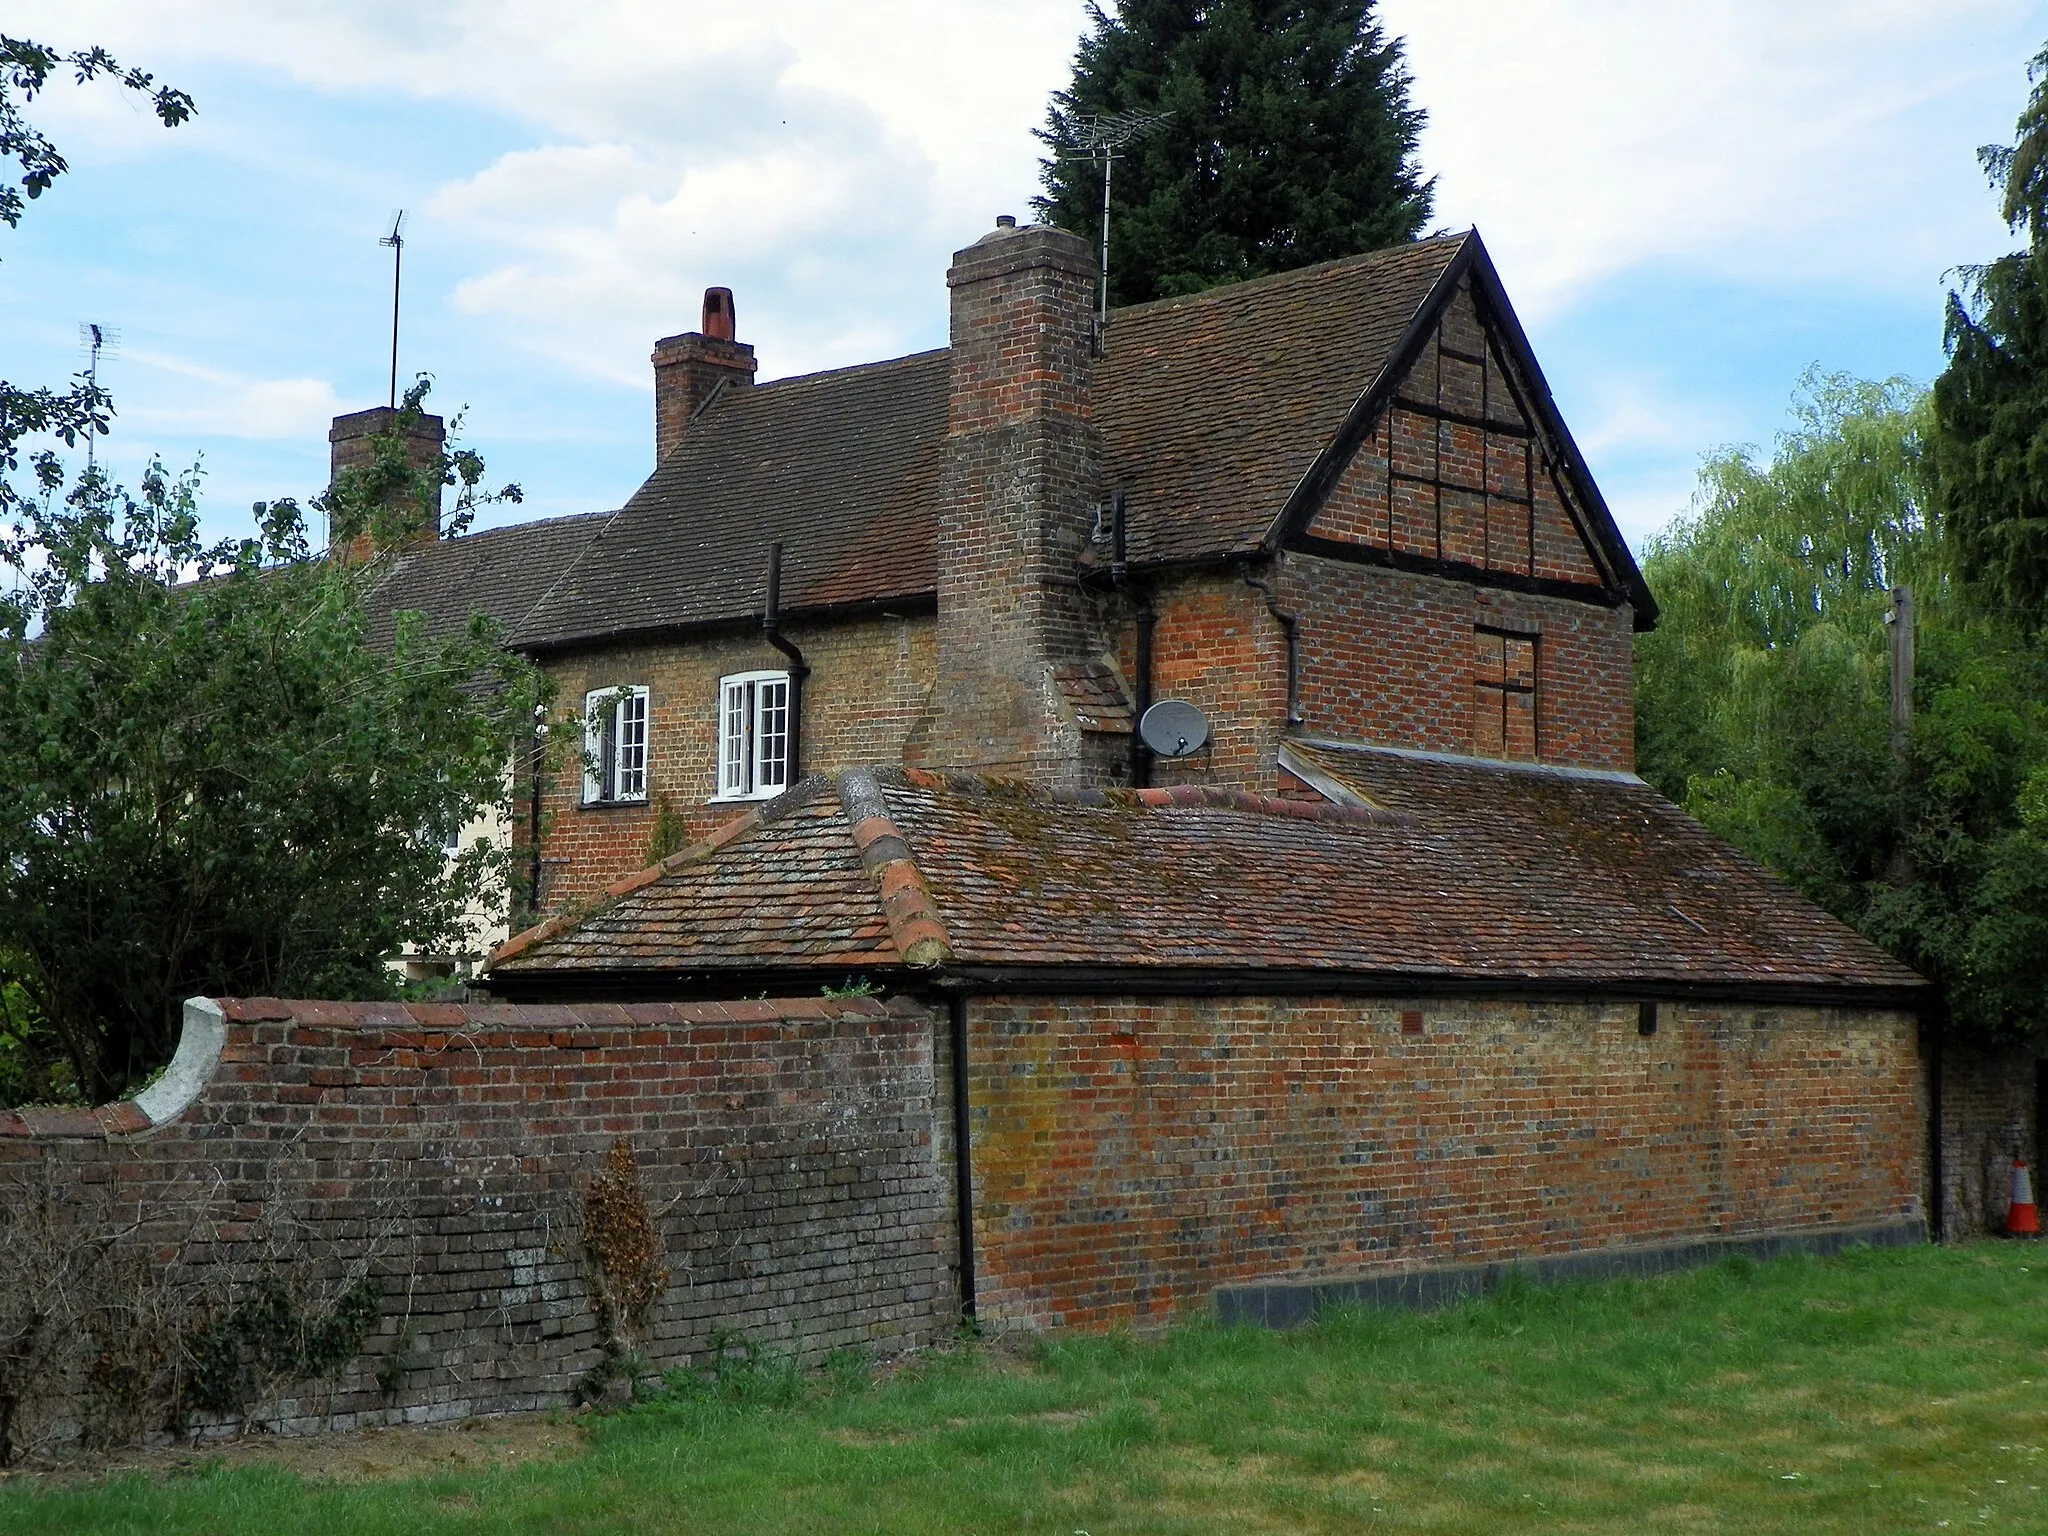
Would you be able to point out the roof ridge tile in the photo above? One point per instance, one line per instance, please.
(914, 923)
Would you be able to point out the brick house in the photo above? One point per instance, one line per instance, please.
(1401, 976)
(1336, 503)
(1402, 970)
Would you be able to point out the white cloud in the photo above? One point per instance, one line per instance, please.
(824, 160)
(1824, 142)
(188, 397)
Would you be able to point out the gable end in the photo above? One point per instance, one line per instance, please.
(1455, 462)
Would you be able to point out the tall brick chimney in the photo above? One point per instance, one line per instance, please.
(349, 447)
(687, 368)
(1014, 504)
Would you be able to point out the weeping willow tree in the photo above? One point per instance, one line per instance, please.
(1764, 708)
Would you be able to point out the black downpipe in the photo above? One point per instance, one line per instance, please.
(1289, 626)
(1120, 576)
(771, 627)
(1938, 1173)
(536, 760)
(963, 1164)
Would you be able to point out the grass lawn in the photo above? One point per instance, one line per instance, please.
(1872, 1392)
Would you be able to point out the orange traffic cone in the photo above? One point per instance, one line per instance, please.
(2021, 1219)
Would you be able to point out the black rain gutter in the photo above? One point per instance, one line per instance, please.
(1185, 980)
(799, 669)
(596, 640)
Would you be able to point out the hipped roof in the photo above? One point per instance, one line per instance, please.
(1214, 411)
(1447, 874)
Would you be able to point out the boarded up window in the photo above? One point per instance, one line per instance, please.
(1503, 694)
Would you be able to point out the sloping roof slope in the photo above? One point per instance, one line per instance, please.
(1212, 407)
(1474, 874)
(841, 467)
(501, 572)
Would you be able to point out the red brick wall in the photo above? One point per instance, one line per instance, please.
(1988, 1106)
(1133, 1155)
(1215, 646)
(870, 685)
(786, 1149)
(1387, 658)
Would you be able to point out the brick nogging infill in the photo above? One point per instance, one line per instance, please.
(786, 1149)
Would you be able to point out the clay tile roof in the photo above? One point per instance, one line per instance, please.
(1459, 872)
(1212, 407)
(501, 572)
(1096, 697)
(841, 467)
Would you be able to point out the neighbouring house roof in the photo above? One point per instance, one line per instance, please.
(500, 572)
(1445, 875)
(1213, 409)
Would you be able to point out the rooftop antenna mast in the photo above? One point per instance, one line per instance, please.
(98, 341)
(396, 240)
(1100, 139)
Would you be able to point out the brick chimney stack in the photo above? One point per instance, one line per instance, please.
(1019, 481)
(687, 368)
(349, 447)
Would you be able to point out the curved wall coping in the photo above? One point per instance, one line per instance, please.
(203, 1040)
(175, 1090)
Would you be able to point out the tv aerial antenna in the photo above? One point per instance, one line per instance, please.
(1101, 139)
(395, 240)
(96, 341)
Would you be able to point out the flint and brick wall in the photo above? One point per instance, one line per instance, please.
(869, 688)
(1133, 1155)
(786, 1150)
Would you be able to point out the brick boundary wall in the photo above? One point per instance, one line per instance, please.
(1137, 1158)
(1989, 1104)
(786, 1150)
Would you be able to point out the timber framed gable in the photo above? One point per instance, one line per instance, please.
(1455, 462)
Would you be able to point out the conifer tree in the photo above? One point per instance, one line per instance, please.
(1288, 139)
(1989, 447)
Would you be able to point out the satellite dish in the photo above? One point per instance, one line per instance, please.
(1173, 729)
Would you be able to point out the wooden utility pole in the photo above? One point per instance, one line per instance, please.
(1901, 621)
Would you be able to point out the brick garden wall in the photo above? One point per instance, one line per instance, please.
(786, 1150)
(1988, 1110)
(1131, 1156)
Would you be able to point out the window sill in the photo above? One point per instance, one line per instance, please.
(612, 805)
(754, 797)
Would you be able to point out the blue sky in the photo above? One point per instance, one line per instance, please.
(1690, 205)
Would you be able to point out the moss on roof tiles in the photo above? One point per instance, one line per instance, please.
(1478, 871)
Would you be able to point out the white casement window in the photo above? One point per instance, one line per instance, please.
(753, 735)
(614, 745)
